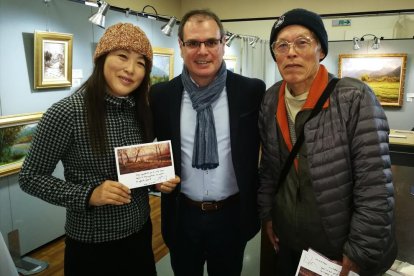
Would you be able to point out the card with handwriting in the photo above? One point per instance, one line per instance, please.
(144, 164)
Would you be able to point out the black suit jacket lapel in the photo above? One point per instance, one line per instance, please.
(232, 97)
(175, 117)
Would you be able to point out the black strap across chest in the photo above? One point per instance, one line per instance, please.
(318, 107)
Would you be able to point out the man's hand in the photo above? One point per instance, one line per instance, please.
(168, 186)
(274, 240)
(110, 192)
(347, 266)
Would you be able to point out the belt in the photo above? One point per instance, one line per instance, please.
(208, 206)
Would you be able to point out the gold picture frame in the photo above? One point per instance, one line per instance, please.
(52, 60)
(163, 65)
(16, 134)
(384, 73)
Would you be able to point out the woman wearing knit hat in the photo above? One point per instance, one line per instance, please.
(108, 228)
(326, 180)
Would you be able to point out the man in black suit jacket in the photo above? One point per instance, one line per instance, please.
(210, 115)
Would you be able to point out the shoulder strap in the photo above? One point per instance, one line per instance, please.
(318, 107)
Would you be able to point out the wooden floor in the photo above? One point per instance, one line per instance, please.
(54, 251)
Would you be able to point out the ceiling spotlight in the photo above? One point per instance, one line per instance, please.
(230, 39)
(167, 28)
(376, 43)
(91, 3)
(99, 17)
(355, 42)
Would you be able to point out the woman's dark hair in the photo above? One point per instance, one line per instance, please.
(95, 89)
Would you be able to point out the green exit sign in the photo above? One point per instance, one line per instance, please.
(341, 22)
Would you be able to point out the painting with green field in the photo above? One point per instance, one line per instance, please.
(163, 62)
(384, 73)
(16, 135)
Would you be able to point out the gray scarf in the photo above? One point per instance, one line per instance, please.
(205, 152)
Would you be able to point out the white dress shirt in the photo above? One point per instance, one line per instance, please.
(207, 185)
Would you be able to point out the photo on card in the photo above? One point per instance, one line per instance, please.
(144, 164)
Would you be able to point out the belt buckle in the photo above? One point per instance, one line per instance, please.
(209, 206)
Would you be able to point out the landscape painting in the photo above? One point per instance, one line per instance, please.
(384, 73)
(144, 157)
(16, 135)
(163, 65)
(52, 60)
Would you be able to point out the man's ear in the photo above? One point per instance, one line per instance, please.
(181, 47)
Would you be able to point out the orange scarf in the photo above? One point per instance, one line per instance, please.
(318, 86)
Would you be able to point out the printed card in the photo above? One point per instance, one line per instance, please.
(144, 164)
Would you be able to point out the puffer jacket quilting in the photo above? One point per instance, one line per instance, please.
(349, 163)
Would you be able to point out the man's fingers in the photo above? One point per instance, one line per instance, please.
(168, 186)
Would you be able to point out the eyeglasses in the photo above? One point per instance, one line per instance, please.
(300, 44)
(195, 44)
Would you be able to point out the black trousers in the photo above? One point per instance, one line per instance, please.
(208, 237)
(287, 261)
(132, 255)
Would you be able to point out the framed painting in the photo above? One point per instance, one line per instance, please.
(231, 62)
(52, 60)
(163, 65)
(16, 134)
(384, 73)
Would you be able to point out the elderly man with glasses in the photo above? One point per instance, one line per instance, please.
(326, 180)
(210, 115)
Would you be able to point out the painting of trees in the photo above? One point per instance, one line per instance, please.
(144, 157)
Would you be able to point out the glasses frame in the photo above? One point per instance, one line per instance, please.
(218, 40)
(292, 44)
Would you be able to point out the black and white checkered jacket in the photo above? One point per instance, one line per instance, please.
(62, 135)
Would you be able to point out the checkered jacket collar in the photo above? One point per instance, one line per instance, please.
(120, 101)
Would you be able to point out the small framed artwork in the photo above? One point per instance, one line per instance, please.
(52, 60)
(16, 134)
(163, 65)
(231, 62)
(384, 73)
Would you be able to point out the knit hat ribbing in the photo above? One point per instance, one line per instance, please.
(305, 18)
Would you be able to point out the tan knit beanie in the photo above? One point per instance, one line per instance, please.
(124, 36)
